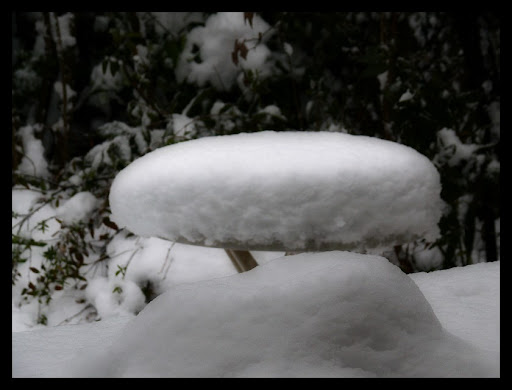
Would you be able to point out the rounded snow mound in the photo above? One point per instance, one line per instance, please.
(293, 191)
(331, 314)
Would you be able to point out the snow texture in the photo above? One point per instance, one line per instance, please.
(272, 110)
(163, 264)
(276, 191)
(215, 42)
(183, 126)
(105, 80)
(57, 86)
(383, 79)
(114, 297)
(77, 208)
(407, 95)
(454, 150)
(63, 35)
(467, 301)
(41, 353)
(33, 161)
(23, 199)
(332, 314)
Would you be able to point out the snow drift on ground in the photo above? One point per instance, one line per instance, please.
(467, 301)
(281, 191)
(333, 314)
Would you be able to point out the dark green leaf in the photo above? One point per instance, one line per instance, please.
(109, 223)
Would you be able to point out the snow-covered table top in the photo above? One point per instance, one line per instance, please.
(280, 191)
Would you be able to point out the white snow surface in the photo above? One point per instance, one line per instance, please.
(454, 149)
(41, 353)
(407, 95)
(215, 42)
(331, 314)
(281, 191)
(33, 161)
(77, 208)
(467, 301)
(64, 35)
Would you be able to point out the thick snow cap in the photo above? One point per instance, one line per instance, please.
(295, 191)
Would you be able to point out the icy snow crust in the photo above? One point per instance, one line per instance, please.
(281, 191)
(336, 314)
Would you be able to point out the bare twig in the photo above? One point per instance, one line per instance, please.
(167, 262)
(65, 321)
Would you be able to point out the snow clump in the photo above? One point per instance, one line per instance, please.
(281, 191)
(207, 54)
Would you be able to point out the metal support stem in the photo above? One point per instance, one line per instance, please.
(242, 259)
